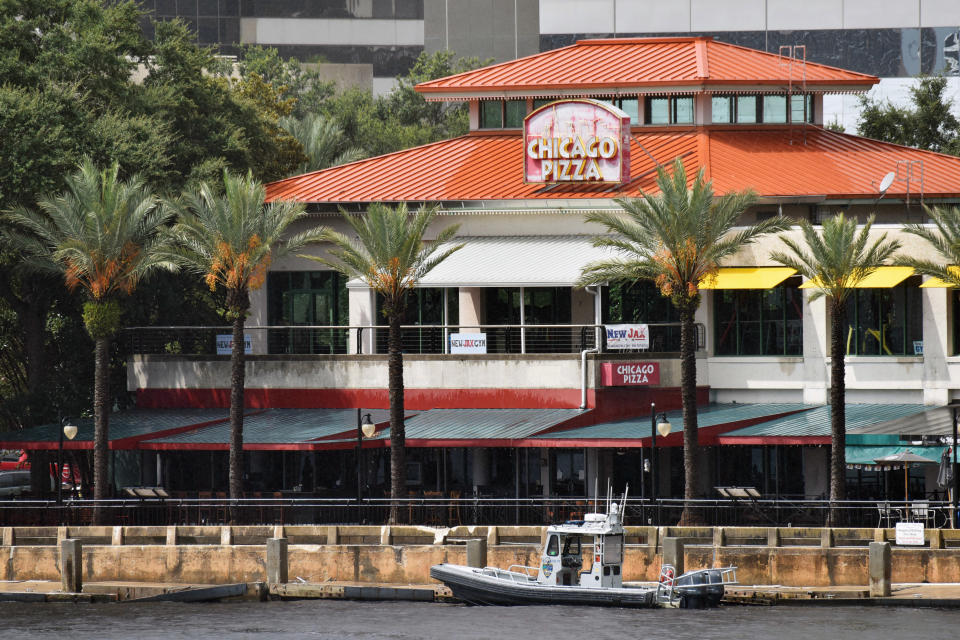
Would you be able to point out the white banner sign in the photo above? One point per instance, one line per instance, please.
(910, 533)
(468, 343)
(627, 336)
(225, 344)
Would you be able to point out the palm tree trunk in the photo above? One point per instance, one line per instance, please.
(398, 467)
(101, 417)
(688, 393)
(237, 379)
(838, 421)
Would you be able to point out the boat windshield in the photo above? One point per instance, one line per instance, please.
(571, 546)
(553, 546)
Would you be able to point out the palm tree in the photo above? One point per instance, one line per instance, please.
(834, 261)
(322, 140)
(676, 239)
(103, 236)
(230, 240)
(391, 257)
(945, 239)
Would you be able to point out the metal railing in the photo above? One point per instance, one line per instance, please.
(416, 339)
(456, 511)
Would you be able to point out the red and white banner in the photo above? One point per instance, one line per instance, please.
(629, 374)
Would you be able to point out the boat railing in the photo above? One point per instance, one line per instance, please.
(507, 574)
(530, 572)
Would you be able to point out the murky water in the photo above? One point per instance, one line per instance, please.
(395, 620)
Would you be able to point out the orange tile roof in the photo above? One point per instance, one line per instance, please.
(640, 63)
(774, 161)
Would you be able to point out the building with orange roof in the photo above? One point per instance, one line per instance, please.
(553, 136)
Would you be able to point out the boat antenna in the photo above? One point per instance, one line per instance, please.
(596, 489)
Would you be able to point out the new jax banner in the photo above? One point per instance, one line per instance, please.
(225, 344)
(627, 336)
(629, 374)
(468, 343)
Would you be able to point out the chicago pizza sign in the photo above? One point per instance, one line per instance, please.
(576, 141)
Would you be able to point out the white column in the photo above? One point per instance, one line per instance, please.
(816, 337)
(471, 309)
(936, 345)
(258, 318)
(363, 308)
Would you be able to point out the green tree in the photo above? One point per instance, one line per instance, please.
(230, 240)
(944, 237)
(677, 238)
(927, 124)
(323, 142)
(391, 256)
(402, 118)
(293, 79)
(834, 260)
(104, 236)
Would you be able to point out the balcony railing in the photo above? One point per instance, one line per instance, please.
(416, 339)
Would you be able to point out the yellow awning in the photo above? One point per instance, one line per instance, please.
(937, 283)
(747, 278)
(882, 278)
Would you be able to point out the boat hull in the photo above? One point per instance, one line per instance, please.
(473, 586)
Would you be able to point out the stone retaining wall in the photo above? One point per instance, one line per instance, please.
(219, 555)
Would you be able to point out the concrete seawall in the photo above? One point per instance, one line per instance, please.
(403, 555)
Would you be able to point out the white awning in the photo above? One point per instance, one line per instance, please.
(514, 261)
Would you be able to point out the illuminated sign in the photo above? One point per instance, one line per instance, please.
(577, 141)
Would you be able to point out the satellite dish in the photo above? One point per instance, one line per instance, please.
(886, 182)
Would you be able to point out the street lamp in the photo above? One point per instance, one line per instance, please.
(365, 429)
(658, 424)
(69, 430)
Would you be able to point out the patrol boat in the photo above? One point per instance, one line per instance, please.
(561, 578)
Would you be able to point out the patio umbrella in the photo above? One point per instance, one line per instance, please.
(905, 457)
(945, 474)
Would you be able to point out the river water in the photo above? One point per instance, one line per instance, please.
(398, 620)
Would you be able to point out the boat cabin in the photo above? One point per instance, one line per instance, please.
(596, 542)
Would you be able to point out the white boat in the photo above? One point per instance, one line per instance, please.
(562, 579)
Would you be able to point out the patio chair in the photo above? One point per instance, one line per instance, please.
(887, 513)
(921, 512)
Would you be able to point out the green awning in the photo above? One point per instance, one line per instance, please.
(867, 455)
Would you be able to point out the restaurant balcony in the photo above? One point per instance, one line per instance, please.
(345, 366)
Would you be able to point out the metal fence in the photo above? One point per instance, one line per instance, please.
(426, 339)
(463, 511)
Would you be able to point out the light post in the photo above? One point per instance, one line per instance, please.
(658, 424)
(69, 430)
(365, 429)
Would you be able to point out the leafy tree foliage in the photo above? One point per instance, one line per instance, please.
(677, 238)
(834, 259)
(927, 124)
(390, 255)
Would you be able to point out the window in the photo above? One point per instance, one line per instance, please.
(721, 109)
(797, 105)
(630, 106)
(768, 108)
(642, 303)
(760, 322)
(307, 298)
(424, 307)
(670, 110)
(499, 114)
(775, 109)
(885, 321)
(553, 546)
(747, 109)
(542, 305)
